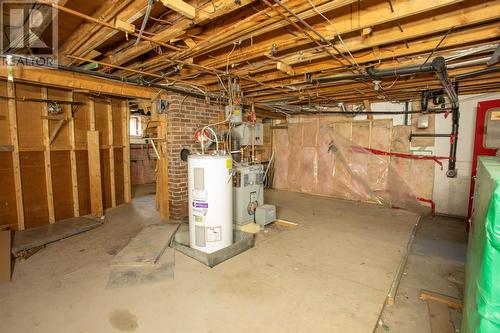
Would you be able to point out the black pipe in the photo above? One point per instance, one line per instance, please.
(368, 112)
(380, 73)
(407, 109)
(479, 72)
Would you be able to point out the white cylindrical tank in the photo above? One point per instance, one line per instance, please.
(210, 202)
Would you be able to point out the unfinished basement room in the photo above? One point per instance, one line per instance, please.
(250, 166)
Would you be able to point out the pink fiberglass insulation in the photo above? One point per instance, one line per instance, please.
(280, 180)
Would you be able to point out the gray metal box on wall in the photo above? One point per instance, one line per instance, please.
(265, 214)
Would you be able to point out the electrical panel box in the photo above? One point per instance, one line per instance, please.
(492, 129)
(265, 214)
(244, 131)
(248, 192)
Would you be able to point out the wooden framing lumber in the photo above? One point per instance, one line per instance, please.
(109, 108)
(72, 156)
(46, 154)
(180, 7)
(11, 93)
(71, 80)
(95, 180)
(126, 151)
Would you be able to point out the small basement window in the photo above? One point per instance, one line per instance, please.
(135, 126)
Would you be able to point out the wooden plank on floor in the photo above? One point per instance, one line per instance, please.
(451, 302)
(95, 178)
(439, 317)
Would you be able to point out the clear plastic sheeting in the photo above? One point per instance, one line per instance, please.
(321, 160)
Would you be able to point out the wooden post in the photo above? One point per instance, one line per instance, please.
(163, 168)
(127, 191)
(94, 173)
(368, 108)
(11, 93)
(111, 153)
(46, 155)
(74, 176)
(91, 113)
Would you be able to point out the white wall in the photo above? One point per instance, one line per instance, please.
(451, 194)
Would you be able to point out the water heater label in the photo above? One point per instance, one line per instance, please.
(200, 204)
(214, 234)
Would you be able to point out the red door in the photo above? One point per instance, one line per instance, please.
(479, 148)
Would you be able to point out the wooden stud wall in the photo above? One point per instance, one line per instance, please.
(45, 165)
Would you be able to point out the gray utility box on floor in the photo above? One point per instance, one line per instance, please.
(248, 192)
(265, 214)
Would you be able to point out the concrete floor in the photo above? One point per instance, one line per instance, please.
(436, 263)
(329, 274)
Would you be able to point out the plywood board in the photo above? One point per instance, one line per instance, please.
(106, 179)
(81, 120)
(29, 118)
(117, 123)
(119, 181)
(8, 211)
(62, 184)
(62, 140)
(101, 121)
(33, 184)
(4, 116)
(82, 170)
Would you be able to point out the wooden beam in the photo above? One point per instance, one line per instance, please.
(71, 80)
(451, 302)
(11, 93)
(180, 7)
(46, 156)
(111, 161)
(125, 26)
(204, 14)
(285, 68)
(127, 191)
(90, 35)
(458, 15)
(72, 156)
(94, 160)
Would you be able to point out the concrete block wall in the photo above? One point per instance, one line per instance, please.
(185, 116)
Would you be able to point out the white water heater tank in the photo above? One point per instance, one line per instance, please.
(210, 202)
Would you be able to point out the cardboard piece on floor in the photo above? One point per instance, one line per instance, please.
(439, 316)
(5, 258)
(128, 276)
(146, 248)
(26, 240)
